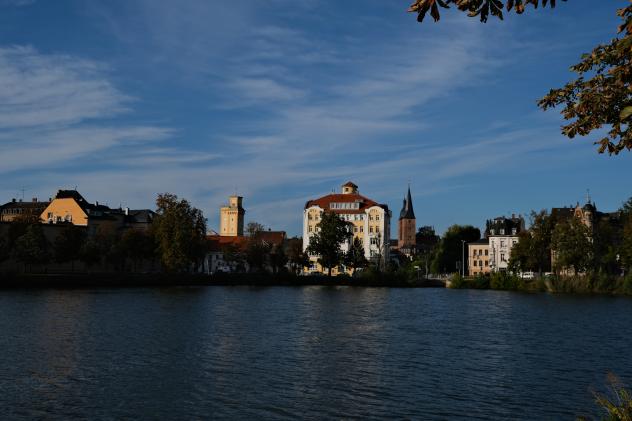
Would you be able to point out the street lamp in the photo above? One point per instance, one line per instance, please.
(463, 255)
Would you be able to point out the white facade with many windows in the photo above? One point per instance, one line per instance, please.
(369, 221)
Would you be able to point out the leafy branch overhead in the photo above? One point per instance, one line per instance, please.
(482, 8)
(600, 97)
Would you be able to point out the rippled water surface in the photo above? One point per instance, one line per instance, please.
(312, 352)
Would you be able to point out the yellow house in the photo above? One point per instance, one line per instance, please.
(69, 207)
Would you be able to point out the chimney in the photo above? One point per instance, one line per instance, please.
(13, 200)
(35, 200)
(126, 211)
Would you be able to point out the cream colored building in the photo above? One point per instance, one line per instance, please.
(231, 222)
(371, 223)
(478, 257)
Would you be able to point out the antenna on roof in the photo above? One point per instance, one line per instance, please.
(587, 195)
(23, 189)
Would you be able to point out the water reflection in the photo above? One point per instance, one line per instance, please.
(313, 352)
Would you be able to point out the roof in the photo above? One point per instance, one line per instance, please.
(218, 242)
(139, 216)
(349, 184)
(325, 202)
(81, 201)
(407, 209)
(481, 242)
(24, 205)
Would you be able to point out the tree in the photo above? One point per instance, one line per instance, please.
(180, 232)
(571, 242)
(296, 256)
(605, 97)
(450, 250)
(137, 246)
(602, 93)
(278, 259)
(481, 8)
(521, 259)
(626, 208)
(68, 245)
(32, 247)
(253, 229)
(331, 233)
(354, 258)
(626, 244)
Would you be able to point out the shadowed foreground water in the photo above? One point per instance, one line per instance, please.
(312, 352)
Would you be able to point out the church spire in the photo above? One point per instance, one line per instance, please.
(407, 209)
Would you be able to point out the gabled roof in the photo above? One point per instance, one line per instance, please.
(349, 184)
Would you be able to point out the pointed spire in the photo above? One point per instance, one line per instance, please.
(407, 209)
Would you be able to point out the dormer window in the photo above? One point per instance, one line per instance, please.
(513, 231)
(502, 231)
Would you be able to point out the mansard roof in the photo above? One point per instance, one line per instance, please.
(326, 201)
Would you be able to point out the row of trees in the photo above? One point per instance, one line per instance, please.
(604, 248)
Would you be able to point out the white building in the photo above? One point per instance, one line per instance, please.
(371, 222)
(503, 235)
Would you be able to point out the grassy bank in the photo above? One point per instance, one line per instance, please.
(75, 280)
(587, 284)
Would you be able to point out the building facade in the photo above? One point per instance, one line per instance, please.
(231, 218)
(18, 209)
(370, 223)
(406, 228)
(503, 235)
(70, 207)
(478, 257)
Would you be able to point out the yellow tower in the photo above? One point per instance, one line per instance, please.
(231, 222)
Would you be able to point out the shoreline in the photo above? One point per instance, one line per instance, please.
(158, 280)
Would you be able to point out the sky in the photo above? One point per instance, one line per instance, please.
(283, 101)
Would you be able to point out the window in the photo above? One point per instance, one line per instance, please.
(480, 263)
(370, 229)
(486, 263)
(513, 231)
(502, 257)
(492, 231)
(377, 217)
(361, 229)
(502, 243)
(310, 228)
(486, 252)
(502, 231)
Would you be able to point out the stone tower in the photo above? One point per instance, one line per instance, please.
(407, 226)
(231, 222)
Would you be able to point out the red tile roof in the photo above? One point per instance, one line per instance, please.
(325, 202)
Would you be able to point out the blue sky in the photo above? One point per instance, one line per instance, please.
(282, 101)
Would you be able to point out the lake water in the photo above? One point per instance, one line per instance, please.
(308, 352)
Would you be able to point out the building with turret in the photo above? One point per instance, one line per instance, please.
(406, 228)
(231, 218)
(370, 222)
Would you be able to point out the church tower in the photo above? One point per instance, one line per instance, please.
(407, 227)
(231, 218)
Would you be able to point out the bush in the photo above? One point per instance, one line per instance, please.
(457, 281)
(505, 281)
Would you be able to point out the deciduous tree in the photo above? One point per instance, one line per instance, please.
(571, 242)
(32, 248)
(68, 244)
(450, 250)
(180, 231)
(331, 233)
(297, 257)
(354, 257)
(601, 96)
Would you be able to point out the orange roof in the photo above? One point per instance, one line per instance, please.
(325, 202)
(218, 242)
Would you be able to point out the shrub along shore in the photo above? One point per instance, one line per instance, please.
(584, 284)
